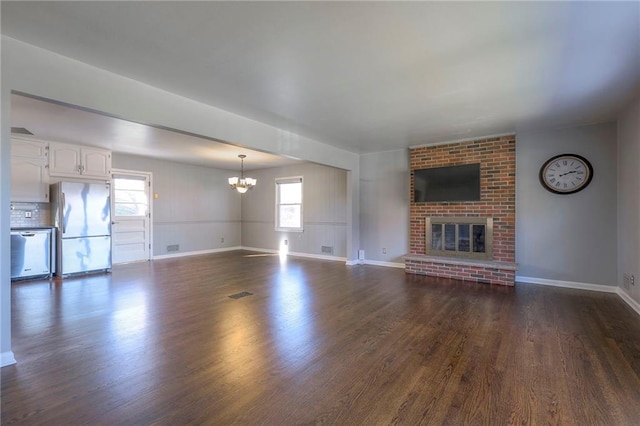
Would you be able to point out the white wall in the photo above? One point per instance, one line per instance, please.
(567, 237)
(384, 205)
(324, 211)
(195, 207)
(629, 196)
(6, 356)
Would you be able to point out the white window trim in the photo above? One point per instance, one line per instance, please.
(290, 179)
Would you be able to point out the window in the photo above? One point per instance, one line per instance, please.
(289, 204)
(130, 197)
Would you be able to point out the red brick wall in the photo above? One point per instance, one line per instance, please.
(461, 272)
(497, 158)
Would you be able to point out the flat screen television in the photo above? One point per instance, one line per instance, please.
(450, 183)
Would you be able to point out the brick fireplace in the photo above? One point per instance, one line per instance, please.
(497, 159)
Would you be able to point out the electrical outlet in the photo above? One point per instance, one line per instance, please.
(384, 250)
(628, 280)
(27, 214)
(222, 239)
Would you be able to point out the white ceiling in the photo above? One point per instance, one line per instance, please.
(364, 76)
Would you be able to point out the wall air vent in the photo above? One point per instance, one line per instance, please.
(20, 131)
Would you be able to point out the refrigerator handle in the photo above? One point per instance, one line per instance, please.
(64, 225)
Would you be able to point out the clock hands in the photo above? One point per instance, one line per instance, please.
(564, 174)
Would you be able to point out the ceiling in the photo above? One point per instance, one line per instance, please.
(363, 76)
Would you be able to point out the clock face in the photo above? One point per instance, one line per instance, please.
(566, 173)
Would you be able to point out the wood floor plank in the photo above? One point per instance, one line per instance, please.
(316, 342)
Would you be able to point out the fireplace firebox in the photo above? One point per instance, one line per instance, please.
(462, 237)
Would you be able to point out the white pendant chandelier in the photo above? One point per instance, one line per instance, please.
(242, 184)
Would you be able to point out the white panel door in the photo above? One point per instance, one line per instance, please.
(131, 216)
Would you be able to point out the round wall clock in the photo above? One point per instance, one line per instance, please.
(566, 173)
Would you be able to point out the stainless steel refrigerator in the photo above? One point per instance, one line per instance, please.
(82, 213)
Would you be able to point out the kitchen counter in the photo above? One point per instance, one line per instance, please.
(27, 228)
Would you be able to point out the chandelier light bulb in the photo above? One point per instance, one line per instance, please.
(242, 184)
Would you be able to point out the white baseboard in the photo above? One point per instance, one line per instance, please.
(384, 263)
(194, 253)
(317, 256)
(7, 358)
(632, 303)
(334, 258)
(260, 250)
(297, 254)
(566, 284)
(292, 253)
(583, 286)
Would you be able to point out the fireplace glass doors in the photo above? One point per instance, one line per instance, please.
(466, 237)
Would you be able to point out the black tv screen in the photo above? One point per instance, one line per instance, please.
(450, 183)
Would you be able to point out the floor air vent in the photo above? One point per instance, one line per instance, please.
(240, 295)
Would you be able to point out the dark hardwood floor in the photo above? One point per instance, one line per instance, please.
(316, 342)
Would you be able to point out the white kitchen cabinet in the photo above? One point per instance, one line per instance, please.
(31, 148)
(29, 175)
(96, 162)
(79, 161)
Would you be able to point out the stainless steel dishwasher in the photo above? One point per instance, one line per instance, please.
(31, 252)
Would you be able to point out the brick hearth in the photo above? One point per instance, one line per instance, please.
(497, 158)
